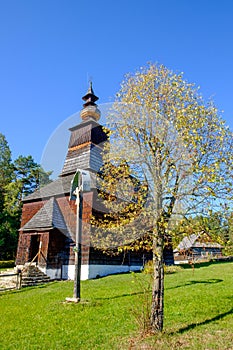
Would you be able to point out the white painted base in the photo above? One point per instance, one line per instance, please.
(88, 271)
(177, 262)
(104, 270)
(54, 274)
(68, 272)
(73, 300)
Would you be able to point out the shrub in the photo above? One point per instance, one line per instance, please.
(7, 264)
(172, 269)
(148, 269)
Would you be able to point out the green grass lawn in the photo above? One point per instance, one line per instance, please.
(198, 313)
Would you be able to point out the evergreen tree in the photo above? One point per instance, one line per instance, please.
(17, 180)
(6, 167)
(6, 176)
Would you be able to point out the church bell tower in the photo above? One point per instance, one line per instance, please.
(86, 139)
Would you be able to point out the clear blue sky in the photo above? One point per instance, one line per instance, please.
(50, 48)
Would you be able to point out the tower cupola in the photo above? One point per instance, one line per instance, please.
(90, 110)
(86, 140)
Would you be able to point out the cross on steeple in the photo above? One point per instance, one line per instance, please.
(90, 97)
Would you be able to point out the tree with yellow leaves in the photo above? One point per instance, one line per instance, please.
(169, 155)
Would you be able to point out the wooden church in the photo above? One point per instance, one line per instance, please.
(48, 224)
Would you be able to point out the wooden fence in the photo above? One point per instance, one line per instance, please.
(10, 281)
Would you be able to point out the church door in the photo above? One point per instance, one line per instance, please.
(34, 247)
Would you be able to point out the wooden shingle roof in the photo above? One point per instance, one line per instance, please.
(87, 158)
(48, 218)
(194, 241)
(58, 187)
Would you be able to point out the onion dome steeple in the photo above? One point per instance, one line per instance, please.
(90, 110)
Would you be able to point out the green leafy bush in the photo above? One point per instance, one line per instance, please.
(148, 269)
(7, 264)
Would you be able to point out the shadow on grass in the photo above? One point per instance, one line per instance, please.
(191, 283)
(121, 296)
(210, 320)
(26, 289)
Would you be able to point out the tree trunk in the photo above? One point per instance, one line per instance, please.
(157, 286)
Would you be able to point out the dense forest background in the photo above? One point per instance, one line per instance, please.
(18, 178)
